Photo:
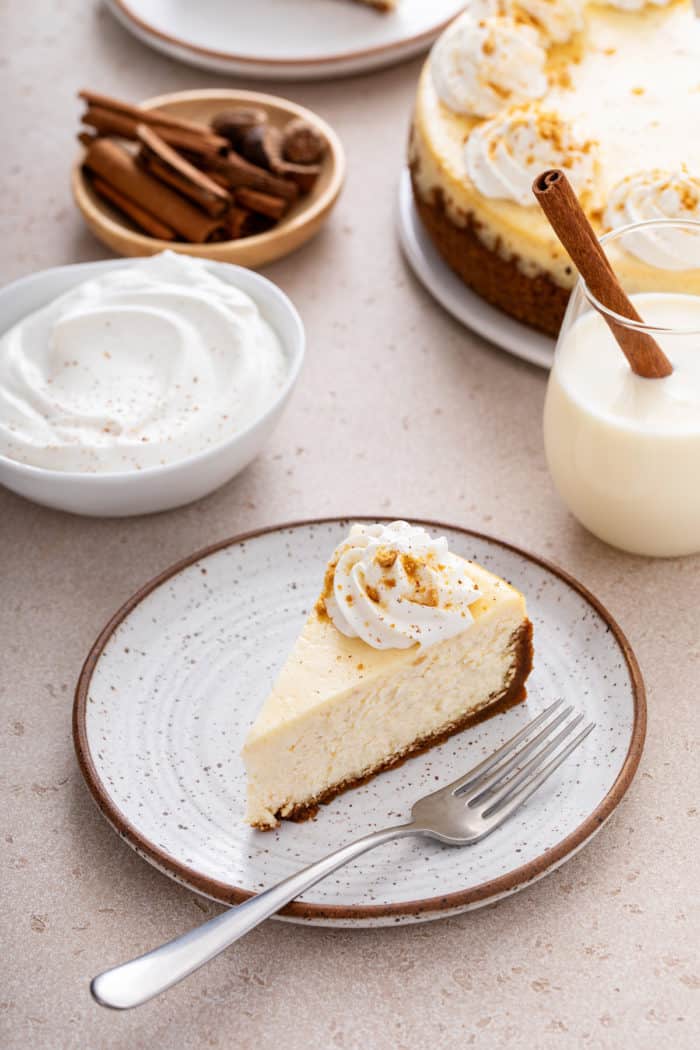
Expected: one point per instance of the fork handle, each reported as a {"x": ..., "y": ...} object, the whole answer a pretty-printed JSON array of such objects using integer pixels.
[{"x": 137, "y": 981}]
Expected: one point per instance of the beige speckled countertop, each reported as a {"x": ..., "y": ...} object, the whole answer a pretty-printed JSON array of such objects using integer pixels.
[{"x": 604, "y": 953}]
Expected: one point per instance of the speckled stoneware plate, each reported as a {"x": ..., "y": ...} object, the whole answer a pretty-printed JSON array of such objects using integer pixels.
[
  {"x": 177, "y": 676},
  {"x": 454, "y": 295},
  {"x": 285, "y": 39}
]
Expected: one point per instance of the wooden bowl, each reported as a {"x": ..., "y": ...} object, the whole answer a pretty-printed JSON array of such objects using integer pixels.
[{"x": 302, "y": 221}]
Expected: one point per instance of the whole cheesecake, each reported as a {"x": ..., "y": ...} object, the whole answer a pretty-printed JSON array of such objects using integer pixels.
[
  {"x": 407, "y": 644},
  {"x": 609, "y": 92}
]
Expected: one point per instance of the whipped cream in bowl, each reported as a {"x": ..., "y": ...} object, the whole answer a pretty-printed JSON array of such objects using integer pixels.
[{"x": 136, "y": 385}]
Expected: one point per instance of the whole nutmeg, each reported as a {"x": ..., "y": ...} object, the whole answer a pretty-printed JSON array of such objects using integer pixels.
[
  {"x": 261, "y": 145},
  {"x": 233, "y": 124},
  {"x": 302, "y": 143}
]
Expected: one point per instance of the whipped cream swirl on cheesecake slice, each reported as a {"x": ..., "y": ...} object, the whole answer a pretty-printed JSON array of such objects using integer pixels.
[
  {"x": 658, "y": 194},
  {"x": 503, "y": 155},
  {"x": 395, "y": 586},
  {"x": 480, "y": 66}
]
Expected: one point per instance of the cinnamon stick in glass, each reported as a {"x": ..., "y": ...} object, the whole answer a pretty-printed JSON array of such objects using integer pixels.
[
  {"x": 556, "y": 197},
  {"x": 118, "y": 168}
]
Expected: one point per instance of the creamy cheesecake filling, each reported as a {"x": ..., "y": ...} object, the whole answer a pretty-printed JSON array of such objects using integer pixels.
[
  {"x": 630, "y": 82},
  {"x": 360, "y": 732}
]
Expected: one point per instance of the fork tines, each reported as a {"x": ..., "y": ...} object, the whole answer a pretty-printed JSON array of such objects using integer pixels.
[{"x": 504, "y": 780}]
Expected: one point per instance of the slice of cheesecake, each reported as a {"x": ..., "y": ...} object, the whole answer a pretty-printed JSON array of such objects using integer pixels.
[{"x": 407, "y": 644}]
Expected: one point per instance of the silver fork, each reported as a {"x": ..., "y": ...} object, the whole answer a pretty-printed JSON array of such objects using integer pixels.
[{"x": 459, "y": 815}]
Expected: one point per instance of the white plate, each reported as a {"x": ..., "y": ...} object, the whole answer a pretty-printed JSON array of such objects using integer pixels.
[
  {"x": 459, "y": 300},
  {"x": 175, "y": 679},
  {"x": 285, "y": 39}
]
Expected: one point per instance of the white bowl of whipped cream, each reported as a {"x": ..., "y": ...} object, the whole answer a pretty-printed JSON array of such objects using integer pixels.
[{"x": 137, "y": 385}]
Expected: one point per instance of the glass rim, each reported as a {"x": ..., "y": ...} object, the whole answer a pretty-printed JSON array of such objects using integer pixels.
[{"x": 620, "y": 319}]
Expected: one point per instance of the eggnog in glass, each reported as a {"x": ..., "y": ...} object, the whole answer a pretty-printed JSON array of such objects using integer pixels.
[{"x": 624, "y": 451}]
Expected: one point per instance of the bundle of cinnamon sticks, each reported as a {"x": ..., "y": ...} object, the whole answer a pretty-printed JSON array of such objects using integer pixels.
[{"x": 179, "y": 180}]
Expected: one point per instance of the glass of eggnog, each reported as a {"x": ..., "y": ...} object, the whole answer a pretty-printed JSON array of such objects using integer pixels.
[{"x": 624, "y": 451}]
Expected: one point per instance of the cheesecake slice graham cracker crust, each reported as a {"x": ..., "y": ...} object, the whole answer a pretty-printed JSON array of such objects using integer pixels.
[{"x": 514, "y": 693}]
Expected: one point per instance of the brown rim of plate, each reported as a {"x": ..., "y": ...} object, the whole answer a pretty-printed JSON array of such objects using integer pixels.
[
  {"x": 494, "y": 888},
  {"x": 312, "y": 209},
  {"x": 229, "y": 56}
]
